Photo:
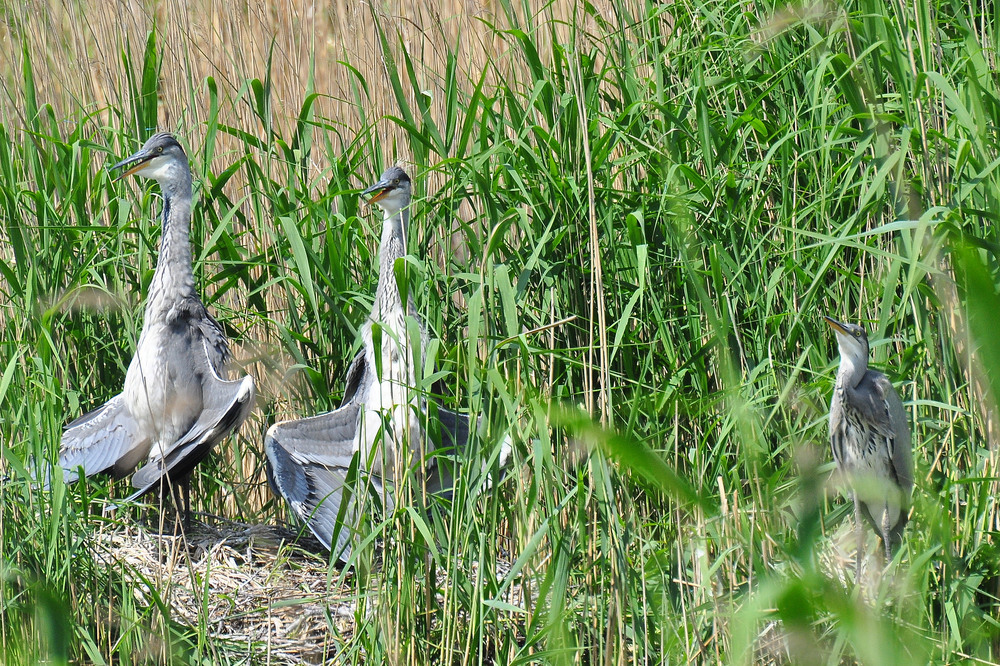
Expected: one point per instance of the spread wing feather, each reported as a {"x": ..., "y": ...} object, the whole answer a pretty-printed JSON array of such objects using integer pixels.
[
  {"x": 104, "y": 440},
  {"x": 226, "y": 404},
  {"x": 454, "y": 439},
  {"x": 310, "y": 463},
  {"x": 313, "y": 464}
]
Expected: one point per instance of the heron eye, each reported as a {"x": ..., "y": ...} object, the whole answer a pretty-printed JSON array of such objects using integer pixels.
[
  {"x": 159, "y": 149},
  {"x": 395, "y": 181}
]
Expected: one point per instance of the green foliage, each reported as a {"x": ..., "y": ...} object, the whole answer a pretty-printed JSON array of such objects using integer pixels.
[{"x": 666, "y": 198}]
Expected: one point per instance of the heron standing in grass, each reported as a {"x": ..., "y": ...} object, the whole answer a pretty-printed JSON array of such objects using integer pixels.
[
  {"x": 177, "y": 403},
  {"x": 870, "y": 438},
  {"x": 382, "y": 417}
]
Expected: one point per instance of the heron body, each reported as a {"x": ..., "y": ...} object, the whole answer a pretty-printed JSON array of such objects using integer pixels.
[
  {"x": 378, "y": 431},
  {"x": 177, "y": 402},
  {"x": 391, "y": 406},
  {"x": 870, "y": 439}
]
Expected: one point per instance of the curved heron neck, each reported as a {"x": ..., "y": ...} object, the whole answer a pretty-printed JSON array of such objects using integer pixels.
[
  {"x": 392, "y": 247},
  {"x": 851, "y": 371},
  {"x": 174, "y": 278}
]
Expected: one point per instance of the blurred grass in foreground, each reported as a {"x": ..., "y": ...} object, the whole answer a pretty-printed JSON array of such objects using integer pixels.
[{"x": 640, "y": 209}]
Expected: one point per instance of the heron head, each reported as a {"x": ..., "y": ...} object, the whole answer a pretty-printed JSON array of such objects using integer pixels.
[
  {"x": 853, "y": 341},
  {"x": 160, "y": 158},
  {"x": 392, "y": 191}
]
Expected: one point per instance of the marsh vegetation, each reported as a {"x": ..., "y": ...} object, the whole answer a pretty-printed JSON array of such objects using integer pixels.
[{"x": 630, "y": 218}]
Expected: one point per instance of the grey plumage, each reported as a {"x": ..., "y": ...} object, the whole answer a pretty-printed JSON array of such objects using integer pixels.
[
  {"x": 311, "y": 462},
  {"x": 870, "y": 439},
  {"x": 177, "y": 402}
]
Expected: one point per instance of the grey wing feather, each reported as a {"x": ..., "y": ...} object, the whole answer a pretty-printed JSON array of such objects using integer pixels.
[
  {"x": 104, "y": 440},
  {"x": 216, "y": 345},
  {"x": 226, "y": 405},
  {"x": 454, "y": 442},
  {"x": 454, "y": 439},
  {"x": 358, "y": 380},
  {"x": 310, "y": 462},
  {"x": 902, "y": 447},
  {"x": 454, "y": 429}
]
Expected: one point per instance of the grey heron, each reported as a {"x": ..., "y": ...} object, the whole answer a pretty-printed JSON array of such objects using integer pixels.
[
  {"x": 870, "y": 438},
  {"x": 379, "y": 429},
  {"x": 177, "y": 402}
]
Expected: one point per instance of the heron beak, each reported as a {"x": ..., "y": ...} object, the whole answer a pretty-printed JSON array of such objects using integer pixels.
[
  {"x": 134, "y": 163},
  {"x": 380, "y": 190},
  {"x": 836, "y": 325}
]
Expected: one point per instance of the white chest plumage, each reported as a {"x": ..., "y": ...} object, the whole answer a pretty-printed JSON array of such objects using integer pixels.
[
  {"x": 392, "y": 403},
  {"x": 163, "y": 399}
]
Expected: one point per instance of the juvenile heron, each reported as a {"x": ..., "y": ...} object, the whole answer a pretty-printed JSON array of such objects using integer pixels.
[
  {"x": 382, "y": 417},
  {"x": 870, "y": 438},
  {"x": 177, "y": 403}
]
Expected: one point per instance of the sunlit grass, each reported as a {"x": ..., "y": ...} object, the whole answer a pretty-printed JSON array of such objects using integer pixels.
[{"x": 639, "y": 211}]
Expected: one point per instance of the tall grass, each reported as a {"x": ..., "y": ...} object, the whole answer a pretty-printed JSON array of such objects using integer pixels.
[{"x": 629, "y": 221}]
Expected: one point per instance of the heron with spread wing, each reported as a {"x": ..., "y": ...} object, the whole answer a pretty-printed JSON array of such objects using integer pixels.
[
  {"x": 383, "y": 423},
  {"x": 177, "y": 403}
]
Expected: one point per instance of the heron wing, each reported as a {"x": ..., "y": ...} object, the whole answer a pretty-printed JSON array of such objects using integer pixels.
[
  {"x": 104, "y": 440},
  {"x": 878, "y": 404},
  {"x": 312, "y": 464},
  {"x": 451, "y": 442},
  {"x": 210, "y": 331},
  {"x": 358, "y": 379},
  {"x": 898, "y": 427},
  {"x": 225, "y": 405}
]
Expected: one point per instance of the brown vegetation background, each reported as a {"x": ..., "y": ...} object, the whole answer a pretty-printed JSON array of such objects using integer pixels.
[
  {"x": 75, "y": 50},
  {"x": 86, "y": 56}
]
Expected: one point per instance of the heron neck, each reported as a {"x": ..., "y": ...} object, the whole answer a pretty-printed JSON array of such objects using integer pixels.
[
  {"x": 851, "y": 372},
  {"x": 174, "y": 278},
  {"x": 393, "y": 247}
]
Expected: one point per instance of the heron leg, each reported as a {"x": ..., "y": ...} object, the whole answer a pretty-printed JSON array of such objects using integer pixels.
[
  {"x": 180, "y": 495},
  {"x": 187, "y": 501},
  {"x": 859, "y": 535},
  {"x": 887, "y": 535},
  {"x": 176, "y": 498}
]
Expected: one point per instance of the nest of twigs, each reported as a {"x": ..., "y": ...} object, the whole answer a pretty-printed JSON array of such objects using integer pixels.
[{"x": 260, "y": 587}]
